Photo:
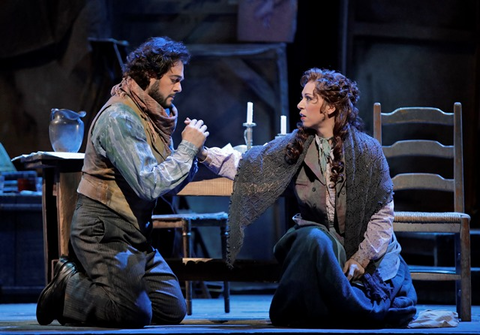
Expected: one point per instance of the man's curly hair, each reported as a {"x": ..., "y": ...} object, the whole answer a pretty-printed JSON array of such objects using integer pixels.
[
  {"x": 154, "y": 58},
  {"x": 340, "y": 92}
]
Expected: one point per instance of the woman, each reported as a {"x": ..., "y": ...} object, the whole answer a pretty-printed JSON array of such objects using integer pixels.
[{"x": 341, "y": 263}]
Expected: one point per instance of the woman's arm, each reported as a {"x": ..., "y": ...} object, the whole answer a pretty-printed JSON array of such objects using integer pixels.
[
  {"x": 375, "y": 243},
  {"x": 221, "y": 161},
  {"x": 377, "y": 237}
]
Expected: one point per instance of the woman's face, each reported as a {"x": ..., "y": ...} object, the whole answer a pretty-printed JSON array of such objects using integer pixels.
[{"x": 315, "y": 113}]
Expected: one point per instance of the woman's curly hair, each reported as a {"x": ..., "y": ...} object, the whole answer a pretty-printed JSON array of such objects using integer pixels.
[
  {"x": 340, "y": 92},
  {"x": 154, "y": 58}
]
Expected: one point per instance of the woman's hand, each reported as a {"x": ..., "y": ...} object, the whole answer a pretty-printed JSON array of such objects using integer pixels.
[
  {"x": 353, "y": 270},
  {"x": 202, "y": 154}
]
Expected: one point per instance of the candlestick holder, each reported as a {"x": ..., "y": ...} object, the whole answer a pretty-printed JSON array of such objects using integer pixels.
[{"x": 248, "y": 134}]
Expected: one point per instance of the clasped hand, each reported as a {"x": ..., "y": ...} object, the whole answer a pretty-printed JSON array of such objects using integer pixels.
[{"x": 195, "y": 132}]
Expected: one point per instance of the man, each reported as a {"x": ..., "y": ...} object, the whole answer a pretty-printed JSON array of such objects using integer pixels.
[{"x": 113, "y": 276}]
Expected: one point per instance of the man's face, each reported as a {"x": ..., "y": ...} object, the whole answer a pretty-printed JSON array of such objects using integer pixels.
[{"x": 163, "y": 90}]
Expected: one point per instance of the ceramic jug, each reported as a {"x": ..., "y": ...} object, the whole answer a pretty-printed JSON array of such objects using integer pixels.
[{"x": 66, "y": 130}]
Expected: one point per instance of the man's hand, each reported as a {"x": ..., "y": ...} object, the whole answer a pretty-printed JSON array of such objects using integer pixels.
[
  {"x": 353, "y": 270},
  {"x": 195, "y": 132}
]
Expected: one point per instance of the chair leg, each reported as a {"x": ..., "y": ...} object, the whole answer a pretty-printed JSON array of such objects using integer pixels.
[
  {"x": 187, "y": 251},
  {"x": 226, "y": 296},
  {"x": 226, "y": 284},
  {"x": 188, "y": 296},
  {"x": 463, "y": 264}
]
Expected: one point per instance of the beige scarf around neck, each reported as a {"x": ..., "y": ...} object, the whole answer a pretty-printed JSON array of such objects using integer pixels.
[{"x": 162, "y": 123}]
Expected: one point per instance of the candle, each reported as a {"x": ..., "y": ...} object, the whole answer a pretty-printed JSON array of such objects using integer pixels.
[
  {"x": 249, "y": 113},
  {"x": 283, "y": 124}
]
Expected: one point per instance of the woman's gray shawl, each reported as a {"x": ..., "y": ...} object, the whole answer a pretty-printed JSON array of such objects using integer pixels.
[{"x": 263, "y": 175}]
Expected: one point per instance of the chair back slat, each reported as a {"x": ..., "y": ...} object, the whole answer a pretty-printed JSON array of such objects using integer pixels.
[
  {"x": 425, "y": 148},
  {"x": 220, "y": 186},
  {"x": 422, "y": 181},
  {"x": 425, "y": 115}
]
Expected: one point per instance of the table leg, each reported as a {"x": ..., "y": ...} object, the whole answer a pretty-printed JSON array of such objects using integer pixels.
[{"x": 49, "y": 214}]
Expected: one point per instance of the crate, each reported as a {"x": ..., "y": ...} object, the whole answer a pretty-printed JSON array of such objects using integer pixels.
[{"x": 21, "y": 248}]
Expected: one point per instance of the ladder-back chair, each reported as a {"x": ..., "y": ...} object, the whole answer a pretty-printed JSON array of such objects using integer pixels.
[{"x": 416, "y": 180}]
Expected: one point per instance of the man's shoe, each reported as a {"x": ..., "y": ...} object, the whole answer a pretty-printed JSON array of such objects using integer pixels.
[{"x": 51, "y": 301}]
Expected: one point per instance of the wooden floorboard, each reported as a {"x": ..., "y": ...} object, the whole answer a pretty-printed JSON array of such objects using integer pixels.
[{"x": 249, "y": 315}]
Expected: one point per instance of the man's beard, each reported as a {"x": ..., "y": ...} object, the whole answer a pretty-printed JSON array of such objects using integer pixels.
[{"x": 153, "y": 92}]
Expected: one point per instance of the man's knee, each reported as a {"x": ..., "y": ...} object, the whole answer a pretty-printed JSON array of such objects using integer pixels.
[
  {"x": 172, "y": 315},
  {"x": 135, "y": 318}
]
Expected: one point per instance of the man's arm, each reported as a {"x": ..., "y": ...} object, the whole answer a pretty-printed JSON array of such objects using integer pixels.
[{"x": 120, "y": 137}]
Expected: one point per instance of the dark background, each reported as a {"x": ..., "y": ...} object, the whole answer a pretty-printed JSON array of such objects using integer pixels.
[
  {"x": 60, "y": 54},
  {"x": 68, "y": 54}
]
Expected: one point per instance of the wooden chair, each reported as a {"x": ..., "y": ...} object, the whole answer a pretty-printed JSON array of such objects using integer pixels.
[
  {"x": 187, "y": 221},
  {"x": 423, "y": 221}
]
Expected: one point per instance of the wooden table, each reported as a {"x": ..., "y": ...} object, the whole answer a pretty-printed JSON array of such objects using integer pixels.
[{"x": 61, "y": 175}]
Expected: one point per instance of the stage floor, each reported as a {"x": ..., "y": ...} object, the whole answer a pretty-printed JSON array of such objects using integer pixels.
[{"x": 248, "y": 315}]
